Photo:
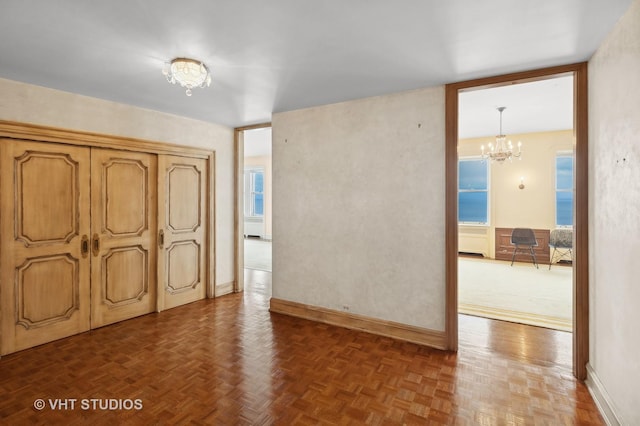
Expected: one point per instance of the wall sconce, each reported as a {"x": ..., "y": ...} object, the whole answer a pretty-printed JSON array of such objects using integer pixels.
[{"x": 521, "y": 186}]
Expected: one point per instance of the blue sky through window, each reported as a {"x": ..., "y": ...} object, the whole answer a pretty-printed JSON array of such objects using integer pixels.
[
  {"x": 473, "y": 174},
  {"x": 258, "y": 196},
  {"x": 564, "y": 190},
  {"x": 258, "y": 182}
]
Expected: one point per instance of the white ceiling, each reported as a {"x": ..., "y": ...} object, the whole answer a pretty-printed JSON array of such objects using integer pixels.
[
  {"x": 544, "y": 105},
  {"x": 257, "y": 142},
  {"x": 278, "y": 55}
]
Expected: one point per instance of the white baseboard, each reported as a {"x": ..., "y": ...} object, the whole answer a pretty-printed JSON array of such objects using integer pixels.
[
  {"x": 222, "y": 289},
  {"x": 601, "y": 398}
]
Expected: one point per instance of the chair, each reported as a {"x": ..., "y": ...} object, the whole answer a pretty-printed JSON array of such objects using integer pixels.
[
  {"x": 562, "y": 242},
  {"x": 524, "y": 238}
]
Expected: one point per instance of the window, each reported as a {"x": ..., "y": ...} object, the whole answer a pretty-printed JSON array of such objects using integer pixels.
[
  {"x": 564, "y": 190},
  {"x": 473, "y": 191},
  {"x": 254, "y": 192}
]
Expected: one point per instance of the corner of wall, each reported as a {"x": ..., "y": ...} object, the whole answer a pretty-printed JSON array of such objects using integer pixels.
[
  {"x": 224, "y": 289},
  {"x": 601, "y": 398}
]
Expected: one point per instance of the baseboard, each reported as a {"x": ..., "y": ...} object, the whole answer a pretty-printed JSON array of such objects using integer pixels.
[
  {"x": 601, "y": 398},
  {"x": 555, "y": 323},
  {"x": 409, "y": 333},
  {"x": 222, "y": 289}
]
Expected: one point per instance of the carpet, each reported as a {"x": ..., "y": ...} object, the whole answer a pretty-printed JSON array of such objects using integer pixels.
[
  {"x": 519, "y": 293},
  {"x": 257, "y": 254}
]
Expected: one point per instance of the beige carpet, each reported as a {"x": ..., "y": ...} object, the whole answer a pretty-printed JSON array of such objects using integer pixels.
[{"x": 519, "y": 293}]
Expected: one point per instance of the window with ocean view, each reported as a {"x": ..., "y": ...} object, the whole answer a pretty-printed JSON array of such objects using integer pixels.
[
  {"x": 564, "y": 190},
  {"x": 473, "y": 191}
]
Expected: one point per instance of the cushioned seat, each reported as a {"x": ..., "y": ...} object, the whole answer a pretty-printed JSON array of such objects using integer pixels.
[{"x": 562, "y": 242}]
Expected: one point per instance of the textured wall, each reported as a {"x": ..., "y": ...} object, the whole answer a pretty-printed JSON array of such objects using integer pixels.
[
  {"x": 359, "y": 207},
  {"x": 38, "y": 105},
  {"x": 614, "y": 225}
]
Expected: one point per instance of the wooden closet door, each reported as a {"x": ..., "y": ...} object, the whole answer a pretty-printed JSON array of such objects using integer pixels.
[
  {"x": 182, "y": 221},
  {"x": 123, "y": 241},
  {"x": 44, "y": 228}
]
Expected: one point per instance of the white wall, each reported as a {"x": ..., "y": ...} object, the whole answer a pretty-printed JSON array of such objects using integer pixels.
[
  {"x": 614, "y": 223},
  {"x": 359, "y": 207},
  {"x": 38, "y": 105}
]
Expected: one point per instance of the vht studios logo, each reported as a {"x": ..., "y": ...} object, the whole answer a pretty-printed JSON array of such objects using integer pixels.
[{"x": 109, "y": 404}]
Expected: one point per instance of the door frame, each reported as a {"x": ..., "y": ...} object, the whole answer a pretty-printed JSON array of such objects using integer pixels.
[
  {"x": 581, "y": 202},
  {"x": 238, "y": 202}
]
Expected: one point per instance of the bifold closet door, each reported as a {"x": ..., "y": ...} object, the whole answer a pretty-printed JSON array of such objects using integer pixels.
[
  {"x": 182, "y": 219},
  {"x": 123, "y": 240},
  {"x": 44, "y": 227}
]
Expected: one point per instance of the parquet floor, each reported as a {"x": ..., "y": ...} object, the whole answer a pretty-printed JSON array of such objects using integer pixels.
[{"x": 230, "y": 362}]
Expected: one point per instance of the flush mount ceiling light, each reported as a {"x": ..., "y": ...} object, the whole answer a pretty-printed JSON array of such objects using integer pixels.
[
  {"x": 188, "y": 73},
  {"x": 502, "y": 150}
]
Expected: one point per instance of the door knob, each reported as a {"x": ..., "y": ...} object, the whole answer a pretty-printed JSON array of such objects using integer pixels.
[
  {"x": 84, "y": 246},
  {"x": 96, "y": 244}
]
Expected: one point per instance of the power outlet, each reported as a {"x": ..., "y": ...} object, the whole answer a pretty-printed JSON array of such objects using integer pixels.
[{"x": 345, "y": 307}]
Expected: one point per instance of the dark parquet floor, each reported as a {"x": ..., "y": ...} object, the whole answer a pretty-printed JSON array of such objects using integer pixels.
[{"x": 229, "y": 361}]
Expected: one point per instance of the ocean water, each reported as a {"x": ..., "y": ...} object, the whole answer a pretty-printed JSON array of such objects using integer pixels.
[
  {"x": 472, "y": 177},
  {"x": 472, "y": 207},
  {"x": 564, "y": 208}
]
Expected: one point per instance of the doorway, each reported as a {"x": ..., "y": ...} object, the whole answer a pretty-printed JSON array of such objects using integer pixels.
[
  {"x": 580, "y": 264},
  {"x": 253, "y": 195},
  {"x": 528, "y": 186}
]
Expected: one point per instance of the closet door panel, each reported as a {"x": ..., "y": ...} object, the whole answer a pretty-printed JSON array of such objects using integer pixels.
[
  {"x": 44, "y": 228},
  {"x": 182, "y": 266},
  {"x": 123, "y": 211}
]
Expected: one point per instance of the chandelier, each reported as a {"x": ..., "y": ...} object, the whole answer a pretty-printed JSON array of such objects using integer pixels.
[
  {"x": 188, "y": 73},
  {"x": 502, "y": 150}
]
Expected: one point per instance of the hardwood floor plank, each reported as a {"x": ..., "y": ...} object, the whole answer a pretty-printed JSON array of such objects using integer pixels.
[{"x": 229, "y": 361}]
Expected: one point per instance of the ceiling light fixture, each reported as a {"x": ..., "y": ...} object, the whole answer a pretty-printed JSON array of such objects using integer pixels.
[
  {"x": 502, "y": 150},
  {"x": 188, "y": 73}
]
